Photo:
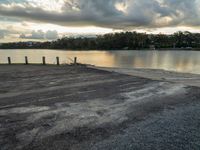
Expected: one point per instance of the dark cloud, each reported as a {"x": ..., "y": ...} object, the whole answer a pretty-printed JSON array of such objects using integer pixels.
[
  {"x": 104, "y": 13},
  {"x": 50, "y": 35}
]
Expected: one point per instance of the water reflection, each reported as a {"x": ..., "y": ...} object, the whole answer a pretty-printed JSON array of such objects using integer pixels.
[{"x": 182, "y": 61}]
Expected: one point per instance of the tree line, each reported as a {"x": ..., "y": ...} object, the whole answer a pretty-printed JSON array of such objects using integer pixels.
[{"x": 116, "y": 41}]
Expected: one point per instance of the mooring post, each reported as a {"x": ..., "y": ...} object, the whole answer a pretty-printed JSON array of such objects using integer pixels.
[
  {"x": 75, "y": 60},
  {"x": 58, "y": 61},
  {"x": 9, "y": 60},
  {"x": 26, "y": 60},
  {"x": 43, "y": 60}
]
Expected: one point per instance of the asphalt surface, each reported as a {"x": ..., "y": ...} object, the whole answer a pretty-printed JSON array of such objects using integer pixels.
[{"x": 75, "y": 107}]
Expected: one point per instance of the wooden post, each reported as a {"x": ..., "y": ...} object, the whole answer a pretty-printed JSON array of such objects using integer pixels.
[
  {"x": 9, "y": 60},
  {"x": 75, "y": 60},
  {"x": 58, "y": 61},
  {"x": 43, "y": 60},
  {"x": 26, "y": 60}
]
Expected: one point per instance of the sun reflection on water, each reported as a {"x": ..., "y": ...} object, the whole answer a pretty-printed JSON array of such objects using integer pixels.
[{"x": 181, "y": 61}]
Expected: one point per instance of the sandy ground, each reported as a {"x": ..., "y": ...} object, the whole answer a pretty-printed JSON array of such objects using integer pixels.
[
  {"x": 162, "y": 75},
  {"x": 80, "y": 108}
]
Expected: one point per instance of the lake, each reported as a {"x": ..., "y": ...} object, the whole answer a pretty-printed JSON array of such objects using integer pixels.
[{"x": 180, "y": 61}]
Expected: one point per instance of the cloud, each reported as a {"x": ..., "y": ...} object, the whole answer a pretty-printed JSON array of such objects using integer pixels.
[
  {"x": 50, "y": 35},
  {"x": 3, "y": 33},
  {"x": 116, "y": 14},
  {"x": 37, "y": 35}
]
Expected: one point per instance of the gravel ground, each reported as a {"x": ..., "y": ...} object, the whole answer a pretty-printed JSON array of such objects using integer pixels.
[{"x": 75, "y": 107}]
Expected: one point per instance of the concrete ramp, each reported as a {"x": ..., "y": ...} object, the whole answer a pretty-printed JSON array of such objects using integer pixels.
[{"x": 75, "y": 107}]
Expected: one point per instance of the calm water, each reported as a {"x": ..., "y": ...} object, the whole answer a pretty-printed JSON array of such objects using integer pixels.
[{"x": 180, "y": 61}]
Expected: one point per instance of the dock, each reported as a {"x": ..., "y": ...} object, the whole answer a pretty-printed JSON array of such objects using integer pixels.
[{"x": 82, "y": 108}]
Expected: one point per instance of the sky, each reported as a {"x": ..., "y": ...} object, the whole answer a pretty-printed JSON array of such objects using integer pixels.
[{"x": 42, "y": 20}]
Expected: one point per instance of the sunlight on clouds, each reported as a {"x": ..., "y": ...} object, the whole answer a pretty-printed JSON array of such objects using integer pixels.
[
  {"x": 121, "y": 6},
  {"x": 171, "y": 30},
  {"x": 53, "y": 5},
  {"x": 163, "y": 21},
  {"x": 92, "y": 17},
  {"x": 11, "y": 5},
  {"x": 62, "y": 29}
]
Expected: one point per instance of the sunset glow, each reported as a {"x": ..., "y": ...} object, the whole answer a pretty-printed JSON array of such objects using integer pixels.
[{"x": 21, "y": 18}]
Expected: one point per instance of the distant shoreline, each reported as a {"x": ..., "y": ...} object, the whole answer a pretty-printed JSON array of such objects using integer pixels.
[{"x": 116, "y": 41}]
